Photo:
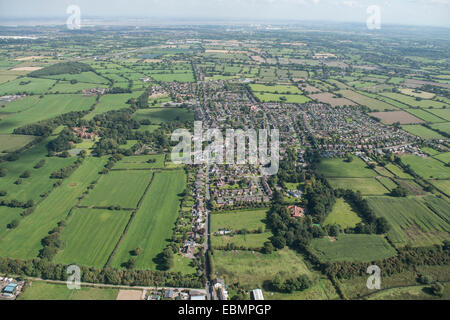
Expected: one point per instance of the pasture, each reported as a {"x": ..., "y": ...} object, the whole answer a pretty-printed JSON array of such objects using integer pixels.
[
  {"x": 160, "y": 115},
  {"x": 111, "y": 102},
  {"x": 141, "y": 162},
  {"x": 250, "y": 240},
  {"x": 352, "y": 247},
  {"x": 339, "y": 168},
  {"x": 372, "y": 104},
  {"x": 367, "y": 186},
  {"x": 28, "y": 85},
  {"x": 90, "y": 236},
  {"x": 238, "y": 220},
  {"x": 427, "y": 168},
  {"x": 24, "y": 242},
  {"x": 118, "y": 188},
  {"x": 422, "y": 132},
  {"x": 41, "y": 290},
  {"x": 410, "y": 220},
  {"x": 13, "y": 142},
  {"x": 48, "y": 107},
  {"x": 252, "y": 269},
  {"x": 343, "y": 215},
  {"x": 152, "y": 226}
]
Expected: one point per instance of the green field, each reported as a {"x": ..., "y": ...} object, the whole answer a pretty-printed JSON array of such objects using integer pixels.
[
  {"x": 367, "y": 186},
  {"x": 252, "y": 240},
  {"x": 413, "y": 102},
  {"x": 39, "y": 182},
  {"x": 343, "y": 215},
  {"x": 13, "y": 142},
  {"x": 339, "y": 168},
  {"x": 24, "y": 242},
  {"x": 110, "y": 102},
  {"x": 411, "y": 221},
  {"x": 422, "y": 132},
  {"x": 67, "y": 87},
  {"x": 41, "y": 290},
  {"x": 372, "y": 104},
  {"x": 442, "y": 113},
  {"x": 152, "y": 226},
  {"x": 19, "y": 105},
  {"x": 28, "y": 85},
  {"x": 87, "y": 77},
  {"x": 443, "y": 185},
  {"x": 287, "y": 98},
  {"x": 90, "y": 236},
  {"x": 427, "y": 168},
  {"x": 425, "y": 115},
  {"x": 118, "y": 188},
  {"x": 277, "y": 89},
  {"x": 398, "y": 172},
  {"x": 238, "y": 220},
  {"x": 140, "y": 162},
  {"x": 352, "y": 247},
  {"x": 48, "y": 107},
  {"x": 444, "y": 127},
  {"x": 251, "y": 269},
  {"x": 160, "y": 115}
]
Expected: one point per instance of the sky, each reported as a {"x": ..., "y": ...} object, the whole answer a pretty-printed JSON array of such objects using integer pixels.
[{"x": 405, "y": 12}]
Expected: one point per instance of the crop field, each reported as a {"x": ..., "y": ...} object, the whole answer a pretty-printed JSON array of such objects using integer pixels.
[
  {"x": 427, "y": 168},
  {"x": 152, "y": 226},
  {"x": 422, "y": 132},
  {"x": 339, "y": 168},
  {"x": 112, "y": 102},
  {"x": 367, "y": 186},
  {"x": 372, "y": 104},
  {"x": 118, "y": 188},
  {"x": 48, "y": 107},
  {"x": 387, "y": 183},
  {"x": 425, "y": 115},
  {"x": 251, "y": 269},
  {"x": 444, "y": 127},
  {"x": 443, "y": 185},
  {"x": 90, "y": 236},
  {"x": 411, "y": 101},
  {"x": 396, "y": 116},
  {"x": 141, "y": 162},
  {"x": 41, "y": 290},
  {"x": 331, "y": 99},
  {"x": 419, "y": 94},
  {"x": 398, "y": 172},
  {"x": 39, "y": 181},
  {"x": 13, "y": 142},
  {"x": 287, "y": 98},
  {"x": 352, "y": 247},
  {"x": 28, "y": 85},
  {"x": 343, "y": 215},
  {"x": 411, "y": 221},
  {"x": 442, "y": 113},
  {"x": 238, "y": 220},
  {"x": 24, "y": 242},
  {"x": 160, "y": 115},
  {"x": 278, "y": 89},
  {"x": 251, "y": 240}
]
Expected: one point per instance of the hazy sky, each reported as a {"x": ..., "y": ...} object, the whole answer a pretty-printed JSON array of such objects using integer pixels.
[{"x": 412, "y": 12}]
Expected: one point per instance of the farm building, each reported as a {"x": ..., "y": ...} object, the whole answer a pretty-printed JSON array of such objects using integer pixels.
[{"x": 296, "y": 211}]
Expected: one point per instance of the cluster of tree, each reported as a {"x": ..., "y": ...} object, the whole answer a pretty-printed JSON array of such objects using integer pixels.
[
  {"x": 62, "y": 68},
  {"x": 16, "y": 203},
  {"x": 320, "y": 198},
  {"x": 43, "y": 268},
  {"x": 291, "y": 232},
  {"x": 399, "y": 192},
  {"x": 63, "y": 141},
  {"x": 116, "y": 90},
  {"x": 40, "y": 164},
  {"x": 52, "y": 243},
  {"x": 299, "y": 283},
  {"x": 372, "y": 223},
  {"x": 66, "y": 171},
  {"x": 407, "y": 259}
]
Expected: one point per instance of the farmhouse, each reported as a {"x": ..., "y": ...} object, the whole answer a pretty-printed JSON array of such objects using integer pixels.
[{"x": 296, "y": 212}]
